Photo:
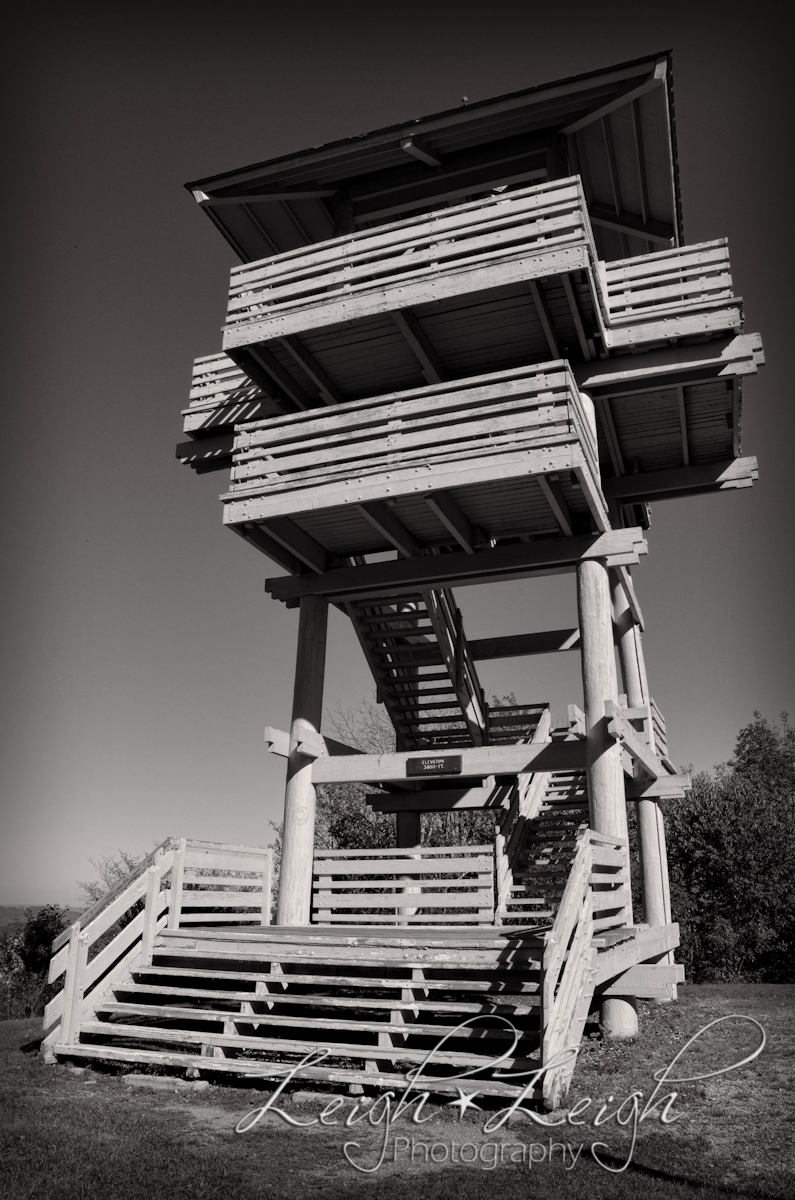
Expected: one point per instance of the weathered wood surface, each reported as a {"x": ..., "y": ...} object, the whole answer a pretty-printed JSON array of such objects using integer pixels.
[
  {"x": 421, "y": 885},
  {"x": 527, "y": 234},
  {"x": 478, "y": 761},
  {"x": 619, "y": 547}
]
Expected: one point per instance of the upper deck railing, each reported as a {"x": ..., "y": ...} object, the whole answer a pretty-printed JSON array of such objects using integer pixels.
[{"x": 538, "y": 231}]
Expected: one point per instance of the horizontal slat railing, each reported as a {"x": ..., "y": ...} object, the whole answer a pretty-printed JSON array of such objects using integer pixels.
[
  {"x": 646, "y": 292},
  {"x": 348, "y": 276},
  {"x": 510, "y": 423},
  {"x": 395, "y": 886},
  {"x": 119, "y": 930}
]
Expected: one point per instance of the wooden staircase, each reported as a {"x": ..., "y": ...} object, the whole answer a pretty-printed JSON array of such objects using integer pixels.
[
  {"x": 179, "y": 968},
  {"x": 418, "y": 654}
]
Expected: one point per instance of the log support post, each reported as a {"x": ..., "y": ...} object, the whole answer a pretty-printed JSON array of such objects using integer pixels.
[
  {"x": 298, "y": 836},
  {"x": 602, "y": 754},
  {"x": 651, "y": 831}
]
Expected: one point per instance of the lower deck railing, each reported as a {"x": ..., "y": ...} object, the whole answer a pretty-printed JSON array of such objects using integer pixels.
[
  {"x": 182, "y": 882},
  {"x": 444, "y": 885}
]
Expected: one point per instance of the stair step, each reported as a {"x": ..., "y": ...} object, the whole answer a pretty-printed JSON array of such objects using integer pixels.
[
  {"x": 361, "y": 1002},
  {"x": 152, "y": 1033},
  {"x": 246, "y": 1067},
  {"x": 168, "y": 1012}
]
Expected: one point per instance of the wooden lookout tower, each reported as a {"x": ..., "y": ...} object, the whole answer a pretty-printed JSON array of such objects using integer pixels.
[{"x": 470, "y": 348}]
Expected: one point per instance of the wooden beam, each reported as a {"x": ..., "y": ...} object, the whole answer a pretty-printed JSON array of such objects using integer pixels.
[
  {"x": 270, "y": 369},
  {"x": 710, "y": 477},
  {"x": 647, "y": 980},
  {"x": 207, "y": 449},
  {"x": 667, "y": 787},
  {"x": 574, "y": 308},
  {"x": 257, "y": 537},
  {"x": 476, "y": 762},
  {"x": 680, "y": 397},
  {"x": 640, "y": 159},
  {"x": 207, "y": 200},
  {"x": 453, "y": 518},
  {"x": 630, "y": 93},
  {"x": 519, "y": 644},
  {"x": 421, "y": 348},
  {"x": 612, "y": 166},
  {"x": 382, "y": 518},
  {"x": 438, "y": 800},
  {"x": 618, "y": 547},
  {"x": 327, "y": 388},
  {"x": 611, "y": 437},
  {"x": 418, "y": 149},
  {"x": 740, "y": 354},
  {"x": 659, "y": 232},
  {"x": 632, "y": 599},
  {"x": 557, "y": 502},
  {"x": 545, "y": 317},
  {"x": 293, "y": 538},
  {"x": 620, "y": 730}
]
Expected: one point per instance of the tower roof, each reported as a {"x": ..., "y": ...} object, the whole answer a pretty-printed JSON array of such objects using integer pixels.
[{"x": 614, "y": 127}]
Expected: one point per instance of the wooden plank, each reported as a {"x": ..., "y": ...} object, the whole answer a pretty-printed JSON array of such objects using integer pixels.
[
  {"x": 382, "y": 518},
  {"x": 669, "y": 787},
  {"x": 645, "y": 944},
  {"x": 622, "y": 731},
  {"x": 717, "y": 476},
  {"x": 299, "y": 543},
  {"x": 398, "y": 900},
  {"x": 438, "y": 800},
  {"x": 545, "y": 317},
  {"x": 449, "y": 512},
  {"x": 502, "y": 271},
  {"x": 294, "y": 1045},
  {"x": 627, "y": 96},
  {"x": 420, "y": 345},
  {"x": 557, "y": 502},
  {"x": 343, "y": 1075},
  {"x": 397, "y": 865},
  {"x": 485, "y": 566},
  {"x": 559, "y": 453},
  {"x": 646, "y": 980},
  {"x": 329, "y": 391},
  {"x": 478, "y": 761}
]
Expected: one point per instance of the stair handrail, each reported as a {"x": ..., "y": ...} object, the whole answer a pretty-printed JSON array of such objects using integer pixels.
[
  {"x": 528, "y": 793},
  {"x": 568, "y": 972},
  {"x": 134, "y": 941},
  {"x": 93, "y": 911}
]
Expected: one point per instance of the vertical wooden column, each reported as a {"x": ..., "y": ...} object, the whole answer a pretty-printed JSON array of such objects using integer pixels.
[
  {"x": 630, "y": 654},
  {"x": 298, "y": 836},
  {"x": 602, "y": 753}
]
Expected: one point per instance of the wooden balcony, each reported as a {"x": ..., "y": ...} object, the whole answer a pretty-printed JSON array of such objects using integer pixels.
[
  {"x": 494, "y": 283},
  {"x": 506, "y": 455}
]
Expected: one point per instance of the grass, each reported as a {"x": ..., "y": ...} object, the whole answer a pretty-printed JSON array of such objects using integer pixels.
[{"x": 70, "y": 1135}]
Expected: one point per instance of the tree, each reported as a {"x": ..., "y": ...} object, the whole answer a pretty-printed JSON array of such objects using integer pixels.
[
  {"x": 25, "y": 959},
  {"x": 730, "y": 861}
]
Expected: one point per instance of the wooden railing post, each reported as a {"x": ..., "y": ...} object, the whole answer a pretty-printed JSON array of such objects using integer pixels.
[
  {"x": 153, "y": 880},
  {"x": 175, "y": 893},
  {"x": 70, "y": 984}
]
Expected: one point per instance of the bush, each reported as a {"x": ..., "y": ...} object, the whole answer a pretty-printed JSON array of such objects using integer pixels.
[
  {"x": 25, "y": 959},
  {"x": 729, "y": 854}
]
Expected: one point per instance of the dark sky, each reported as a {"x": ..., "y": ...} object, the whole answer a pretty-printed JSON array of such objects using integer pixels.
[{"x": 141, "y": 657}]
